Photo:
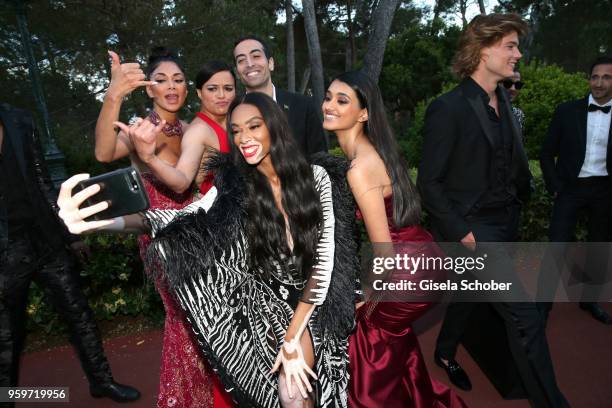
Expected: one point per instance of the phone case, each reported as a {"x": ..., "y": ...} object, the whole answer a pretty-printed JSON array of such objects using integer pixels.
[{"x": 123, "y": 189}]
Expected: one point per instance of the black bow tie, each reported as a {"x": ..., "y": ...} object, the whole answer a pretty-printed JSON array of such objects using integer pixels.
[{"x": 604, "y": 109}]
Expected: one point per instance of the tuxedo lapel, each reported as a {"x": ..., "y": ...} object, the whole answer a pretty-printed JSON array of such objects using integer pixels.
[
  {"x": 518, "y": 151},
  {"x": 282, "y": 100},
  {"x": 477, "y": 104},
  {"x": 581, "y": 117}
]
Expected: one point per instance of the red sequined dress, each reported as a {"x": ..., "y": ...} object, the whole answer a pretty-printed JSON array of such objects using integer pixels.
[
  {"x": 184, "y": 380},
  {"x": 221, "y": 397},
  {"x": 387, "y": 368}
]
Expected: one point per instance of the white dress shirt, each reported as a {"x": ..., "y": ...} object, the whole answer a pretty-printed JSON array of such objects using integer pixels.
[{"x": 598, "y": 130}]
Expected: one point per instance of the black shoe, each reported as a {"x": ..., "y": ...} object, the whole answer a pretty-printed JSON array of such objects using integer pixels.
[
  {"x": 597, "y": 312},
  {"x": 115, "y": 391},
  {"x": 455, "y": 373}
]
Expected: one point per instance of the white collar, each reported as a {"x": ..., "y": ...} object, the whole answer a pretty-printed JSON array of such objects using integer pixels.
[
  {"x": 273, "y": 92},
  {"x": 592, "y": 101}
]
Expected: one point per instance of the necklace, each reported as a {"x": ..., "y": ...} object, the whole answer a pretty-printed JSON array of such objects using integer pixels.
[{"x": 171, "y": 129}]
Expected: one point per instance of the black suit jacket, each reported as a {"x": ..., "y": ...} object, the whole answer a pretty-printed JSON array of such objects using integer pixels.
[
  {"x": 19, "y": 128},
  {"x": 456, "y": 164},
  {"x": 304, "y": 121},
  {"x": 564, "y": 148}
]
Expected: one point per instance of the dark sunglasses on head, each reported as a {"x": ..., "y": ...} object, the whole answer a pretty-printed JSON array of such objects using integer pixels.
[{"x": 508, "y": 84}]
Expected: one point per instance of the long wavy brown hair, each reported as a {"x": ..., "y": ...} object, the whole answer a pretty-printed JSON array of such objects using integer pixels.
[{"x": 484, "y": 31}]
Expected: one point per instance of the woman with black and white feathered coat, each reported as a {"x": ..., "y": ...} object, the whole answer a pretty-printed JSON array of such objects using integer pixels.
[{"x": 264, "y": 265}]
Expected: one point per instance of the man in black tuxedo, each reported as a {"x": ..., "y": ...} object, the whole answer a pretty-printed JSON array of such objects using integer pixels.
[
  {"x": 576, "y": 161},
  {"x": 473, "y": 178},
  {"x": 33, "y": 246},
  {"x": 254, "y": 65}
]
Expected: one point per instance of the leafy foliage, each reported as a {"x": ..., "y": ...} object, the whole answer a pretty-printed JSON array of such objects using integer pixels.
[
  {"x": 113, "y": 281},
  {"x": 546, "y": 86}
]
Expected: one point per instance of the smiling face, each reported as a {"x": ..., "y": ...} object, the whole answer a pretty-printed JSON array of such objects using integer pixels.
[
  {"x": 171, "y": 89},
  {"x": 498, "y": 60},
  {"x": 252, "y": 65},
  {"x": 341, "y": 108},
  {"x": 250, "y": 133},
  {"x": 217, "y": 93},
  {"x": 600, "y": 82}
]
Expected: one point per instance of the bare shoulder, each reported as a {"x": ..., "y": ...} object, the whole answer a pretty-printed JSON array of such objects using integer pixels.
[
  {"x": 367, "y": 172},
  {"x": 199, "y": 132}
]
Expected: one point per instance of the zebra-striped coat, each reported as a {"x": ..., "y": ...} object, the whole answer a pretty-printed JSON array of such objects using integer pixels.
[{"x": 240, "y": 318}]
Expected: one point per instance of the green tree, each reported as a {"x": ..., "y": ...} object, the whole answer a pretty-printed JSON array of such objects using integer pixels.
[{"x": 546, "y": 86}]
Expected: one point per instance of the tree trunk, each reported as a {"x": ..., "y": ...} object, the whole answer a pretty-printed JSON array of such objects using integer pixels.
[
  {"x": 436, "y": 16},
  {"x": 349, "y": 60},
  {"x": 290, "y": 47},
  {"x": 382, "y": 18},
  {"x": 305, "y": 80},
  {"x": 481, "y": 6},
  {"x": 314, "y": 50},
  {"x": 534, "y": 25},
  {"x": 463, "y": 10}
]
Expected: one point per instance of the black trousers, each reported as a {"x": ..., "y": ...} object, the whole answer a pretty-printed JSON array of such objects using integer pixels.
[
  {"x": 591, "y": 196},
  {"x": 53, "y": 269},
  {"x": 525, "y": 325}
]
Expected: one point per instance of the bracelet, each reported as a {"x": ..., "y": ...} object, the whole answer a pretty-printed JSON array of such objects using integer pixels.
[{"x": 117, "y": 225}]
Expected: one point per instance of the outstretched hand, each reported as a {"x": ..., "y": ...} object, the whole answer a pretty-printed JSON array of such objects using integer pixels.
[
  {"x": 69, "y": 212},
  {"x": 291, "y": 357},
  {"x": 125, "y": 77},
  {"x": 143, "y": 135}
]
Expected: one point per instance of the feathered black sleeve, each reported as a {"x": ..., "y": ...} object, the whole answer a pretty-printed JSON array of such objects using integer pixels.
[
  {"x": 193, "y": 240},
  {"x": 337, "y": 313}
]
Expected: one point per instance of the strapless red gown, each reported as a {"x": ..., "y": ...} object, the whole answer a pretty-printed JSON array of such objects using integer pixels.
[{"x": 386, "y": 365}]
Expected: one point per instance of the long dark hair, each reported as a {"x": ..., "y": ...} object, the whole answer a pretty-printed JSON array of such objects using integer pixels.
[
  {"x": 163, "y": 54},
  {"x": 406, "y": 201},
  {"x": 210, "y": 68},
  {"x": 265, "y": 224}
]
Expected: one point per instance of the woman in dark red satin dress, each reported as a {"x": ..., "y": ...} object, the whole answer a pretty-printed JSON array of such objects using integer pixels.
[{"x": 386, "y": 365}]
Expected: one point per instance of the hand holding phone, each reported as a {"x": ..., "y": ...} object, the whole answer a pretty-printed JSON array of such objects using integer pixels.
[
  {"x": 101, "y": 199},
  {"x": 69, "y": 204},
  {"x": 122, "y": 189}
]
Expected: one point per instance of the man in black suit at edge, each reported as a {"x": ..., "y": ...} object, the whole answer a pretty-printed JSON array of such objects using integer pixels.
[
  {"x": 576, "y": 161},
  {"x": 33, "y": 246},
  {"x": 472, "y": 178},
  {"x": 254, "y": 65}
]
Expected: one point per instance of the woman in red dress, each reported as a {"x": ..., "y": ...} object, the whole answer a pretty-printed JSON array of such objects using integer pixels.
[
  {"x": 216, "y": 87},
  {"x": 386, "y": 365},
  {"x": 185, "y": 380}
]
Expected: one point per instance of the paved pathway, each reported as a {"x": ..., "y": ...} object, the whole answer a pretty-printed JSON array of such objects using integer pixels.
[{"x": 581, "y": 349}]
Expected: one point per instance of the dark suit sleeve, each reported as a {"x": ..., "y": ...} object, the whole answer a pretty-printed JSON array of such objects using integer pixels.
[
  {"x": 44, "y": 180},
  {"x": 550, "y": 150},
  {"x": 439, "y": 135},
  {"x": 315, "y": 136}
]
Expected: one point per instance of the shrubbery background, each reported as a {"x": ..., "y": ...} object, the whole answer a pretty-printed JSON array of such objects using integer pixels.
[{"x": 113, "y": 280}]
